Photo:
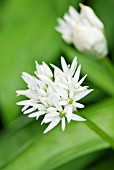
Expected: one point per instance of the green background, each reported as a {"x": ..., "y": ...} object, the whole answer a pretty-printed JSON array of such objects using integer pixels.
[{"x": 27, "y": 33}]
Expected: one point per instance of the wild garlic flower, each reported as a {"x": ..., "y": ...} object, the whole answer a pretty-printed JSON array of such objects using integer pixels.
[
  {"x": 55, "y": 95},
  {"x": 84, "y": 30}
]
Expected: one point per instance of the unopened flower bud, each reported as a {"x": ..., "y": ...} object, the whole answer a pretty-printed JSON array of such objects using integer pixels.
[{"x": 84, "y": 30}]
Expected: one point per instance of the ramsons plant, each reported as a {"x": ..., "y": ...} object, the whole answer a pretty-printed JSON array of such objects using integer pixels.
[{"x": 55, "y": 95}]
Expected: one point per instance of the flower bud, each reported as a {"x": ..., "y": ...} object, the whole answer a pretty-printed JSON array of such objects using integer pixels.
[{"x": 84, "y": 30}]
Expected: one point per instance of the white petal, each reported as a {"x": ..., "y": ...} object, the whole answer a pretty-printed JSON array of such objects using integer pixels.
[
  {"x": 30, "y": 80},
  {"x": 77, "y": 118},
  {"x": 57, "y": 104},
  {"x": 81, "y": 81},
  {"x": 82, "y": 94},
  {"x": 42, "y": 92},
  {"x": 69, "y": 113},
  {"x": 79, "y": 89},
  {"x": 52, "y": 125},
  {"x": 27, "y": 103},
  {"x": 62, "y": 92},
  {"x": 47, "y": 120},
  {"x": 63, "y": 86},
  {"x": 29, "y": 110},
  {"x": 63, "y": 123},
  {"x": 78, "y": 105},
  {"x": 73, "y": 66},
  {"x": 63, "y": 102},
  {"x": 51, "y": 109},
  {"x": 58, "y": 69},
  {"x": 71, "y": 90},
  {"x": 64, "y": 64},
  {"x": 77, "y": 74},
  {"x": 24, "y": 108},
  {"x": 88, "y": 14},
  {"x": 60, "y": 78},
  {"x": 52, "y": 114},
  {"x": 45, "y": 79},
  {"x": 62, "y": 24},
  {"x": 47, "y": 70},
  {"x": 69, "y": 23},
  {"x": 28, "y": 93},
  {"x": 39, "y": 68},
  {"x": 73, "y": 13},
  {"x": 37, "y": 114}
]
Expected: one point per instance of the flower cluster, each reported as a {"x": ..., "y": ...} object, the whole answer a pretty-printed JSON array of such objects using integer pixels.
[
  {"x": 55, "y": 95},
  {"x": 84, "y": 30}
]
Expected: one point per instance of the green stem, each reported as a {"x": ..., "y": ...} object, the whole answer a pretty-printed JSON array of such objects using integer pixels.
[{"x": 100, "y": 132}]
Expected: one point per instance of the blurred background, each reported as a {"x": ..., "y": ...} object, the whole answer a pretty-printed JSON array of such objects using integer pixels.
[{"x": 27, "y": 33}]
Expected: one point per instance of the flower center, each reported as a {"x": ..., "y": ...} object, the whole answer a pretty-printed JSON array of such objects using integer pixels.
[
  {"x": 51, "y": 78},
  {"x": 70, "y": 101},
  {"x": 61, "y": 114},
  {"x": 39, "y": 102}
]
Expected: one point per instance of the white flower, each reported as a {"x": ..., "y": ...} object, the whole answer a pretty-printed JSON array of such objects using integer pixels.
[
  {"x": 56, "y": 116},
  {"x": 54, "y": 96},
  {"x": 84, "y": 30}
]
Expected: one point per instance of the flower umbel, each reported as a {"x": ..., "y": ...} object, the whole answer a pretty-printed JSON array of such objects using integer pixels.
[
  {"x": 84, "y": 30},
  {"x": 55, "y": 95}
]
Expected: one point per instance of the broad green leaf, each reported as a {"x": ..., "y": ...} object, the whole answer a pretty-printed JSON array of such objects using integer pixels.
[
  {"x": 82, "y": 162},
  {"x": 96, "y": 72},
  {"x": 56, "y": 147},
  {"x": 105, "y": 162}
]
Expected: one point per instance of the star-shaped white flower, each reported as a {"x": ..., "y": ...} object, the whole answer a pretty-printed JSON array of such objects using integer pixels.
[
  {"x": 55, "y": 96},
  {"x": 68, "y": 86}
]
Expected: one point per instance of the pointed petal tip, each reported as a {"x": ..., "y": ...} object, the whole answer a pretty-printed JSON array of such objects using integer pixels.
[
  {"x": 36, "y": 62},
  {"x": 80, "y": 66},
  {"x": 86, "y": 75},
  {"x": 84, "y": 119},
  {"x": 24, "y": 73},
  {"x": 52, "y": 65},
  {"x": 75, "y": 57},
  {"x": 29, "y": 116},
  {"x": 56, "y": 28},
  {"x": 44, "y": 132},
  {"x": 17, "y": 92},
  {"x": 68, "y": 120},
  {"x": 71, "y": 7},
  {"x": 62, "y": 58},
  {"x": 42, "y": 123},
  {"x": 81, "y": 5},
  {"x": 91, "y": 90}
]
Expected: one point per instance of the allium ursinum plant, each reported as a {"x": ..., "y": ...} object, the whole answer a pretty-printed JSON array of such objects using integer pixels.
[
  {"x": 55, "y": 96},
  {"x": 84, "y": 30}
]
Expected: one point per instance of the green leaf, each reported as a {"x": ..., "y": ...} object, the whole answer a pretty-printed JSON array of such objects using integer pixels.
[
  {"x": 82, "y": 162},
  {"x": 106, "y": 161},
  {"x": 21, "y": 42},
  {"x": 56, "y": 147}
]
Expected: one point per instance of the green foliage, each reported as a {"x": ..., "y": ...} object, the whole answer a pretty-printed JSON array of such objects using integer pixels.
[{"x": 27, "y": 34}]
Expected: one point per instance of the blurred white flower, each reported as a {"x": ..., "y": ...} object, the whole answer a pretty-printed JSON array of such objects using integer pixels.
[
  {"x": 54, "y": 96},
  {"x": 84, "y": 30}
]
